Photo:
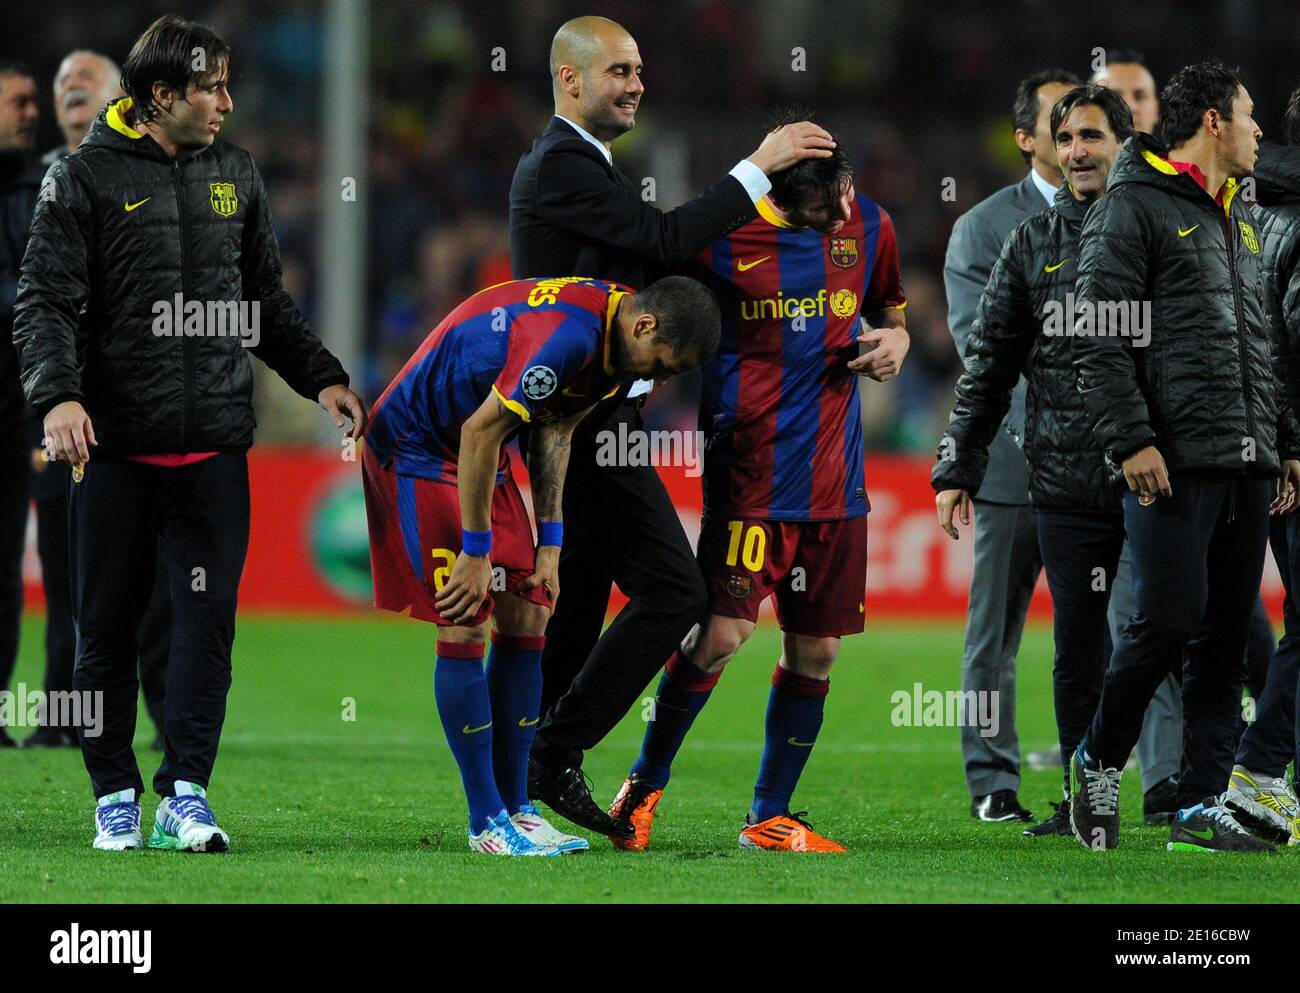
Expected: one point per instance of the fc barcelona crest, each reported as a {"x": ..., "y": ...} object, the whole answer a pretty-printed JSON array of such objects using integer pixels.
[
  {"x": 739, "y": 586},
  {"x": 844, "y": 252},
  {"x": 1248, "y": 237},
  {"x": 224, "y": 201}
]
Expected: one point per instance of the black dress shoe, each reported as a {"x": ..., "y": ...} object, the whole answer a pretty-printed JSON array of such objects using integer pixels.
[
  {"x": 49, "y": 737},
  {"x": 1160, "y": 803},
  {"x": 1056, "y": 825},
  {"x": 566, "y": 791},
  {"x": 1000, "y": 805}
]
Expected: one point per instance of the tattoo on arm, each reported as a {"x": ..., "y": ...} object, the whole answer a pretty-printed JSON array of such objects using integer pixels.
[{"x": 547, "y": 463}]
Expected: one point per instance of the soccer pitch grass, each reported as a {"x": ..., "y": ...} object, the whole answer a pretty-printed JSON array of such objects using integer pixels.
[{"x": 324, "y": 810}]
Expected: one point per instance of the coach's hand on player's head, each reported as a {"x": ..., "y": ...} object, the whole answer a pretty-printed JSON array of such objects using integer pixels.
[
  {"x": 1288, "y": 488},
  {"x": 338, "y": 400},
  {"x": 947, "y": 501},
  {"x": 466, "y": 588},
  {"x": 69, "y": 434},
  {"x": 885, "y": 360},
  {"x": 1146, "y": 475},
  {"x": 789, "y": 144},
  {"x": 546, "y": 572}
]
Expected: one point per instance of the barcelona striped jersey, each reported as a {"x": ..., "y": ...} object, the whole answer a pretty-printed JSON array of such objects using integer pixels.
[
  {"x": 542, "y": 346},
  {"x": 779, "y": 408}
]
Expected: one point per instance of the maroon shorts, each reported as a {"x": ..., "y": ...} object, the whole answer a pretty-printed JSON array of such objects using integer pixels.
[
  {"x": 816, "y": 571},
  {"x": 415, "y": 538}
]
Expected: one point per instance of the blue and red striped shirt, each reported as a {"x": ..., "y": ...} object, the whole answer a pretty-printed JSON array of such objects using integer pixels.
[
  {"x": 542, "y": 346},
  {"x": 780, "y": 407}
]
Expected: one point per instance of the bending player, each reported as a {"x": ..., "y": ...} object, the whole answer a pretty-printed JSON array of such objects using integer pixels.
[
  {"x": 443, "y": 508},
  {"x": 784, "y": 491}
]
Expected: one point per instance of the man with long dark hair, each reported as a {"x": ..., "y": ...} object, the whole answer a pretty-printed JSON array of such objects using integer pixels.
[{"x": 152, "y": 269}]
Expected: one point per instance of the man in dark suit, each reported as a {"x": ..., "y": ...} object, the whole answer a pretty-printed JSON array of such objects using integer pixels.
[
  {"x": 572, "y": 212},
  {"x": 1006, "y": 542}
]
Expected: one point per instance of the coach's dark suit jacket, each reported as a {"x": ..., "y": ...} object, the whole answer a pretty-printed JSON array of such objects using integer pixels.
[{"x": 573, "y": 214}]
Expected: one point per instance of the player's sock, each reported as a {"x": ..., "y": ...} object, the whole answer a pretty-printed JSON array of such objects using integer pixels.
[
  {"x": 683, "y": 692},
  {"x": 514, "y": 680},
  {"x": 462, "y": 695},
  {"x": 794, "y": 716}
]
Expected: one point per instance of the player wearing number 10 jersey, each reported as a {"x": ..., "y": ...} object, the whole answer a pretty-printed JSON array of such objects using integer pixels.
[{"x": 784, "y": 489}]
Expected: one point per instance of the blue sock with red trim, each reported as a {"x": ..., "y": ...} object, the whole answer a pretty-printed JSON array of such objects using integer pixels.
[
  {"x": 462, "y": 695},
  {"x": 514, "y": 681},
  {"x": 683, "y": 692},
  {"x": 795, "y": 707}
]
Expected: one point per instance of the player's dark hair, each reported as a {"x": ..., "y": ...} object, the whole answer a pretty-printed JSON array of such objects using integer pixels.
[
  {"x": 1024, "y": 113},
  {"x": 1291, "y": 119},
  {"x": 13, "y": 67},
  {"x": 1125, "y": 56},
  {"x": 1118, "y": 116},
  {"x": 174, "y": 51},
  {"x": 1190, "y": 92},
  {"x": 688, "y": 316},
  {"x": 809, "y": 182}
]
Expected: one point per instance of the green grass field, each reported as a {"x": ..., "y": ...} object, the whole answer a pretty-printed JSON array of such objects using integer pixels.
[{"x": 323, "y": 810}]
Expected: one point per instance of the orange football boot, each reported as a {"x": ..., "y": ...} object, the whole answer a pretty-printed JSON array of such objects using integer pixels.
[
  {"x": 635, "y": 803},
  {"x": 786, "y": 833}
]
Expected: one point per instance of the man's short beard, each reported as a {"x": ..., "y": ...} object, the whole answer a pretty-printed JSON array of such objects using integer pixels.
[{"x": 605, "y": 123}]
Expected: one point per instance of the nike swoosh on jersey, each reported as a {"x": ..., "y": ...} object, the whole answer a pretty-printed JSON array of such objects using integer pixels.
[
  {"x": 1053, "y": 268},
  {"x": 469, "y": 730},
  {"x": 526, "y": 723},
  {"x": 1184, "y": 234},
  {"x": 139, "y": 203},
  {"x": 743, "y": 266}
]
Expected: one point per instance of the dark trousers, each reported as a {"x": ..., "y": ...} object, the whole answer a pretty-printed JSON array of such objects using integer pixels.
[
  {"x": 1197, "y": 561},
  {"x": 1080, "y": 555},
  {"x": 154, "y": 634},
  {"x": 14, "y": 470},
  {"x": 619, "y": 527},
  {"x": 153, "y": 640},
  {"x": 1268, "y": 745},
  {"x": 123, "y": 516},
  {"x": 52, "y": 546}
]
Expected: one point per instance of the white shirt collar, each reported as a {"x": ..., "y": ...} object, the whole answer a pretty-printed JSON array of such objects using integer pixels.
[
  {"x": 1044, "y": 187},
  {"x": 603, "y": 150}
]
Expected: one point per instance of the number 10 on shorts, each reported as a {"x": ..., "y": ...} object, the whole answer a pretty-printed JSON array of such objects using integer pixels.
[{"x": 754, "y": 545}]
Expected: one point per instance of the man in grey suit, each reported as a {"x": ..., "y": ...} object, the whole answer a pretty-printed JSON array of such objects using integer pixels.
[{"x": 1007, "y": 562}]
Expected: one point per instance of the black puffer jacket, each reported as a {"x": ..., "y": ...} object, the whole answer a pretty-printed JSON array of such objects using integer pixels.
[
  {"x": 127, "y": 227},
  {"x": 1016, "y": 330},
  {"x": 1277, "y": 205},
  {"x": 1204, "y": 390}
]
